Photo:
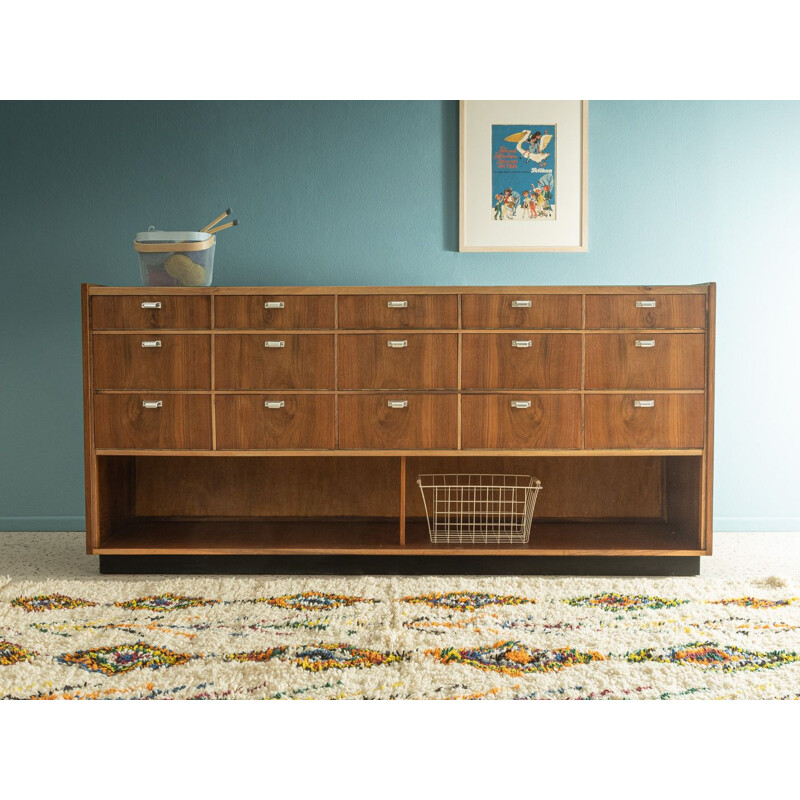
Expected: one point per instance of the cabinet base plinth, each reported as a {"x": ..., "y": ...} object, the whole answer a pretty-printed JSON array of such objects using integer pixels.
[{"x": 675, "y": 566}]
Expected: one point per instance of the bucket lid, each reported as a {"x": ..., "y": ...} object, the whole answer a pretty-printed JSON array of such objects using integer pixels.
[{"x": 154, "y": 237}]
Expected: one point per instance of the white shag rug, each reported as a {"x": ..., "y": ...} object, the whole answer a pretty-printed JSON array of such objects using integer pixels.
[{"x": 401, "y": 638}]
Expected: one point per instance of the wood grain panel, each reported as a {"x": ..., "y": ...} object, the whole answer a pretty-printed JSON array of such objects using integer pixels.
[
  {"x": 674, "y": 421},
  {"x": 496, "y": 311},
  {"x": 126, "y": 312},
  {"x": 428, "y": 361},
  {"x": 675, "y": 361},
  {"x": 240, "y": 312},
  {"x": 379, "y": 537},
  {"x": 366, "y": 312},
  {"x": 181, "y": 362},
  {"x": 253, "y": 536},
  {"x": 266, "y": 486},
  {"x": 490, "y": 421},
  {"x": 587, "y": 488},
  {"x": 245, "y": 423},
  {"x": 218, "y": 291},
  {"x": 671, "y": 311},
  {"x": 429, "y": 421},
  {"x": 91, "y": 493},
  {"x": 567, "y": 538},
  {"x": 490, "y": 361},
  {"x": 242, "y": 361},
  {"x": 182, "y": 423},
  {"x": 114, "y": 497},
  {"x": 707, "y": 495},
  {"x": 683, "y": 475}
]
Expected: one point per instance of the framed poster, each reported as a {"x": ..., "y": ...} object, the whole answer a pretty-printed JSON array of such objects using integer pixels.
[{"x": 523, "y": 175}]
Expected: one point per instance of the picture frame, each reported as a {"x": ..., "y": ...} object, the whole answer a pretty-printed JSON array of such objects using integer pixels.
[{"x": 523, "y": 176}]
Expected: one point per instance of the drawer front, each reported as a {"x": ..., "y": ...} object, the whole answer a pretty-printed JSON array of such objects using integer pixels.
[
  {"x": 366, "y": 312},
  {"x": 366, "y": 421},
  {"x": 180, "y": 422},
  {"x": 507, "y": 361},
  {"x": 630, "y": 421},
  {"x": 646, "y": 311},
  {"x": 398, "y": 361},
  {"x": 521, "y": 311},
  {"x": 143, "y": 312},
  {"x": 292, "y": 361},
  {"x": 275, "y": 422},
  {"x": 645, "y": 360},
  {"x": 520, "y": 421},
  {"x": 151, "y": 361},
  {"x": 277, "y": 312}
]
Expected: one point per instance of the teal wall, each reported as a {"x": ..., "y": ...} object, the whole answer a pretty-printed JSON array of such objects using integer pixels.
[{"x": 366, "y": 193}]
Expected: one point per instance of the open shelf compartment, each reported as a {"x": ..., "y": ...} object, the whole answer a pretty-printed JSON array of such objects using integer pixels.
[
  {"x": 609, "y": 505},
  {"x": 191, "y": 504},
  {"x": 589, "y": 506}
]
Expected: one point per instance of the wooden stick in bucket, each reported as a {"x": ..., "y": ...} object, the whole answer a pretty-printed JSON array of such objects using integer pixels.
[
  {"x": 222, "y": 227},
  {"x": 214, "y": 222}
]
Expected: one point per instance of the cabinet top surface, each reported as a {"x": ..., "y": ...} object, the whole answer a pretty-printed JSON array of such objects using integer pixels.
[{"x": 700, "y": 288}]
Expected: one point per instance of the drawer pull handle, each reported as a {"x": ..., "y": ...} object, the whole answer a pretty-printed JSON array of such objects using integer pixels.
[
  {"x": 521, "y": 342},
  {"x": 397, "y": 404},
  {"x": 397, "y": 304},
  {"x": 154, "y": 343},
  {"x": 520, "y": 404},
  {"x": 273, "y": 404},
  {"x": 274, "y": 304},
  {"x": 149, "y": 304},
  {"x": 397, "y": 343},
  {"x": 279, "y": 343},
  {"x": 151, "y": 404},
  {"x": 644, "y": 403},
  {"x": 645, "y": 342},
  {"x": 520, "y": 304},
  {"x": 645, "y": 304}
]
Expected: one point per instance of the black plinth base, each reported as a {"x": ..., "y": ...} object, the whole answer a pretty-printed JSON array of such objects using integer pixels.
[{"x": 677, "y": 566}]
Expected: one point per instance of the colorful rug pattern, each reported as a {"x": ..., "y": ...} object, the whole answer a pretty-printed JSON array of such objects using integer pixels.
[{"x": 397, "y": 638}]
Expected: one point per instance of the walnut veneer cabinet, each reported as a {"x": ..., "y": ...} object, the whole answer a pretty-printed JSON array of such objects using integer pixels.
[{"x": 288, "y": 421}]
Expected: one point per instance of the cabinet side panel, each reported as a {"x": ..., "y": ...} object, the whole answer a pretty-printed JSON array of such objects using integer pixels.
[
  {"x": 89, "y": 463},
  {"x": 707, "y": 524}
]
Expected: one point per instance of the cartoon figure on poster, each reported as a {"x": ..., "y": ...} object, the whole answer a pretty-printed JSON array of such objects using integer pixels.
[{"x": 523, "y": 172}]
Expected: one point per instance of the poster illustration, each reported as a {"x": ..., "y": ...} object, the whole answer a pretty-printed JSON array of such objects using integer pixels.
[{"x": 523, "y": 172}]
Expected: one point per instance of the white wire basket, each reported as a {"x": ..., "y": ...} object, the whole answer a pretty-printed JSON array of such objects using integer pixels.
[{"x": 479, "y": 509}]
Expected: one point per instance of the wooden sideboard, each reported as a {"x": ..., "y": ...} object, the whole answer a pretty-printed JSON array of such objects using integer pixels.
[{"x": 289, "y": 421}]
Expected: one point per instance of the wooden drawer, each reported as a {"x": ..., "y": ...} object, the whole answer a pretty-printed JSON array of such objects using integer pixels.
[
  {"x": 646, "y": 311},
  {"x": 181, "y": 422},
  {"x": 521, "y": 311},
  {"x": 501, "y": 361},
  {"x": 520, "y": 421},
  {"x": 366, "y": 311},
  {"x": 645, "y": 360},
  {"x": 143, "y": 312},
  {"x": 398, "y": 361},
  {"x": 428, "y": 421},
  {"x": 299, "y": 421},
  {"x": 152, "y": 361},
  {"x": 292, "y": 361},
  {"x": 673, "y": 421},
  {"x": 277, "y": 312}
]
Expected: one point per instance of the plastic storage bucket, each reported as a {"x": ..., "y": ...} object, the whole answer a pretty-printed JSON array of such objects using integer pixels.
[{"x": 175, "y": 258}]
